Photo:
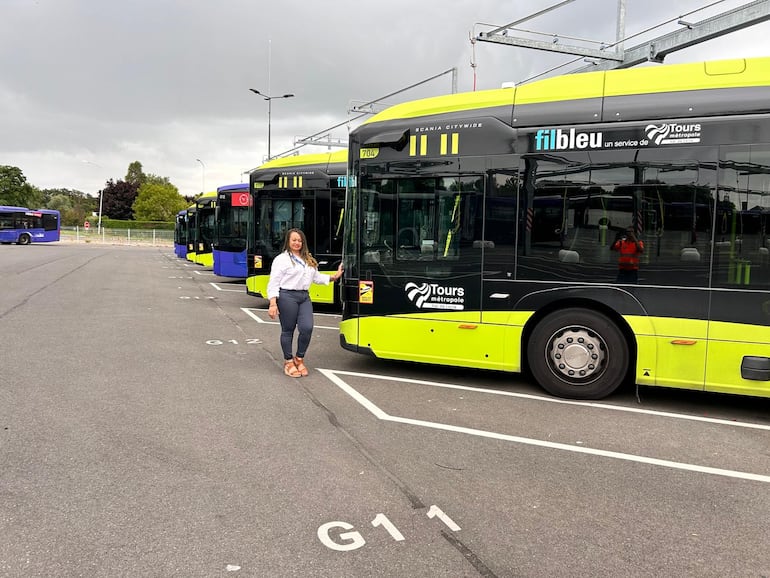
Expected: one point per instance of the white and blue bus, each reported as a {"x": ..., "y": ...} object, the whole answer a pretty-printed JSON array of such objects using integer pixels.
[{"x": 24, "y": 226}]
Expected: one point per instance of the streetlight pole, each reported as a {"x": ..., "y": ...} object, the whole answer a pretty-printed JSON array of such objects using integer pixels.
[
  {"x": 99, "y": 223},
  {"x": 269, "y": 100},
  {"x": 203, "y": 176}
]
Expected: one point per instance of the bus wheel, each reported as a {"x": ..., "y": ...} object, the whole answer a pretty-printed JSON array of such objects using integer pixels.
[
  {"x": 24, "y": 239},
  {"x": 578, "y": 353}
]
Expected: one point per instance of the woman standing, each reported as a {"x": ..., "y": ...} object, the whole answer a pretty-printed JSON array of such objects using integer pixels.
[{"x": 292, "y": 273}]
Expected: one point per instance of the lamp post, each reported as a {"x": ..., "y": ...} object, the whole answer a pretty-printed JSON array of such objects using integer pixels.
[
  {"x": 99, "y": 223},
  {"x": 203, "y": 176},
  {"x": 269, "y": 100}
]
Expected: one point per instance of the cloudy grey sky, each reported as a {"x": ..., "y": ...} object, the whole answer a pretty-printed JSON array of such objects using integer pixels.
[{"x": 88, "y": 86}]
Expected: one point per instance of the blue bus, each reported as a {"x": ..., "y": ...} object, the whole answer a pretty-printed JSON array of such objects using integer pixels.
[
  {"x": 231, "y": 217},
  {"x": 24, "y": 226},
  {"x": 180, "y": 234}
]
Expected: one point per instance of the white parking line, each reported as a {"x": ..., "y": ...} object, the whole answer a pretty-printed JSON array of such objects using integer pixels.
[
  {"x": 558, "y": 400},
  {"x": 218, "y": 288},
  {"x": 250, "y": 312},
  {"x": 333, "y": 376}
]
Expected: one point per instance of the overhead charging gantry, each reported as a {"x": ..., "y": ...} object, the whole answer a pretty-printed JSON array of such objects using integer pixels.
[{"x": 613, "y": 55}]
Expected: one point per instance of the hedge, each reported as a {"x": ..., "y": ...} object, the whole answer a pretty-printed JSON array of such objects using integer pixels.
[{"x": 123, "y": 224}]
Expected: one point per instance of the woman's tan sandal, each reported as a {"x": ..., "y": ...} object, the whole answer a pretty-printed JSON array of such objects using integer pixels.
[
  {"x": 300, "y": 366},
  {"x": 290, "y": 369}
]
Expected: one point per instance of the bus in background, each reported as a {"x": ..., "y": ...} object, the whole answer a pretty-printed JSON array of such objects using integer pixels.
[
  {"x": 24, "y": 226},
  {"x": 231, "y": 218},
  {"x": 483, "y": 230},
  {"x": 203, "y": 230},
  {"x": 180, "y": 234},
  {"x": 191, "y": 218},
  {"x": 305, "y": 192}
]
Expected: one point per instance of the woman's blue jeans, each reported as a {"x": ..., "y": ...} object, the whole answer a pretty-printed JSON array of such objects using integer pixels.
[{"x": 295, "y": 311}]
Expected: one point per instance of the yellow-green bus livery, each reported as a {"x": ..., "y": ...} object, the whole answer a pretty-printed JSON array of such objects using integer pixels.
[
  {"x": 305, "y": 192},
  {"x": 591, "y": 230},
  {"x": 203, "y": 232}
]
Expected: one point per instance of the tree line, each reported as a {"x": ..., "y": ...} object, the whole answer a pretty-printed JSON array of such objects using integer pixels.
[{"x": 137, "y": 197}]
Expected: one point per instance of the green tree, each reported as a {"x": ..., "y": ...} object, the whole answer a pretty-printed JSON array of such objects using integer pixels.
[
  {"x": 60, "y": 202},
  {"x": 16, "y": 191},
  {"x": 135, "y": 174},
  {"x": 75, "y": 207},
  {"x": 155, "y": 179},
  {"x": 158, "y": 201}
]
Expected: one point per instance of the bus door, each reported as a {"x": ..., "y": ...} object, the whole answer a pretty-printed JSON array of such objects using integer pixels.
[
  {"x": 192, "y": 233},
  {"x": 323, "y": 210},
  {"x": 676, "y": 184},
  {"x": 323, "y": 218},
  {"x": 275, "y": 215},
  {"x": 420, "y": 259},
  {"x": 739, "y": 329}
]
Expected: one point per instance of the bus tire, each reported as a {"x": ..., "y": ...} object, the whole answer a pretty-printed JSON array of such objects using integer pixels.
[
  {"x": 578, "y": 353},
  {"x": 24, "y": 239}
]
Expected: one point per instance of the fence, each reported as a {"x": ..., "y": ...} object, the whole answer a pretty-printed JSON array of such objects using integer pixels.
[{"x": 154, "y": 237}]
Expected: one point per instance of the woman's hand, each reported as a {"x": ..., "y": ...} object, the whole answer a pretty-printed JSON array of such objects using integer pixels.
[
  {"x": 338, "y": 274},
  {"x": 272, "y": 310}
]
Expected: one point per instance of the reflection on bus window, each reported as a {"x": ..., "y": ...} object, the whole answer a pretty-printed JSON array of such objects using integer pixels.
[
  {"x": 742, "y": 246},
  {"x": 573, "y": 213}
]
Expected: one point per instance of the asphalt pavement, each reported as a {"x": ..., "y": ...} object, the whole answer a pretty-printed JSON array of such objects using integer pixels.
[{"x": 147, "y": 429}]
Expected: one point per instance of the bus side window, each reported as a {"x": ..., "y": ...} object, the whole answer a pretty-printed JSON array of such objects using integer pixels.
[{"x": 742, "y": 239}]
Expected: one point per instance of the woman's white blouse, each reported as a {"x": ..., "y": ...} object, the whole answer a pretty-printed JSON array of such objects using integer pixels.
[{"x": 290, "y": 272}]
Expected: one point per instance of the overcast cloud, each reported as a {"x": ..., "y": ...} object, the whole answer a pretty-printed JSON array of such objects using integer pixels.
[{"x": 88, "y": 86}]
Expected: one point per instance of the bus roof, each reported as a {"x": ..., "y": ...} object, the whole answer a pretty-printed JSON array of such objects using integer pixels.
[
  {"x": 340, "y": 156},
  {"x": 737, "y": 85},
  {"x": 324, "y": 163},
  {"x": 234, "y": 187},
  {"x": 28, "y": 210}
]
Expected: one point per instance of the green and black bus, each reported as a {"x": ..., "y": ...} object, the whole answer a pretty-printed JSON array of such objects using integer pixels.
[
  {"x": 480, "y": 227},
  {"x": 305, "y": 192},
  {"x": 200, "y": 233},
  {"x": 191, "y": 218}
]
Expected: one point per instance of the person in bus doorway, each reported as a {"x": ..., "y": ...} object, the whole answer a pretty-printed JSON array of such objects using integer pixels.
[
  {"x": 629, "y": 248},
  {"x": 292, "y": 273}
]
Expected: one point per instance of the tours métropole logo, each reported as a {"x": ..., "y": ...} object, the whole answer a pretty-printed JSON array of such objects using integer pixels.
[
  {"x": 434, "y": 296},
  {"x": 673, "y": 133}
]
